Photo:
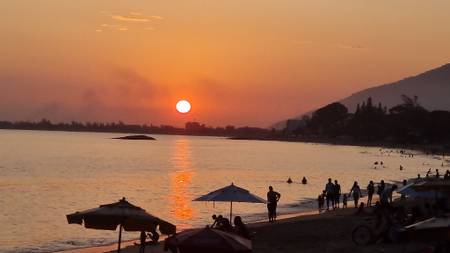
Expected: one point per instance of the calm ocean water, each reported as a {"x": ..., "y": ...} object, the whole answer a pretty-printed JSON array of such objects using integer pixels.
[{"x": 46, "y": 175}]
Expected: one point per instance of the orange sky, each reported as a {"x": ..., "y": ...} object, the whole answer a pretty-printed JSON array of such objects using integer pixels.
[{"x": 238, "y": 62}]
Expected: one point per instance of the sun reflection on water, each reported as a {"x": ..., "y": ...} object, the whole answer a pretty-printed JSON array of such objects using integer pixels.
[{"x": 180, "y": 196}]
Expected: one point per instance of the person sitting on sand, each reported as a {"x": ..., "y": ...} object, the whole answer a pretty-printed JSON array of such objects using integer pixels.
[
  {"x": 337, "y": 193},
  {"x": 329, "y": 188},
  {"x": 356, "y": 193},
  {"x": 240, "y": 228},
  {"x": 344, "y": 201},
  {"x": 224, "y": 224},
  {"x": 289, "y": 181},
  {"x": 370, "y": 192},
  {"x": 304, "y": 181},
  {"x": 272, "y": 199}
]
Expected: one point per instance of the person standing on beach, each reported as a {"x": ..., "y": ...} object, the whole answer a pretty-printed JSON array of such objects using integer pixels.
[
  {"x": 370, "y": 192},
  {"x": 329, "y": 188},
  {"x": 356, "y": 193},
  {"x": 272, "y": 199},
  {"x": 337, "y": 193},
  {"x": 380, "y": 188}
]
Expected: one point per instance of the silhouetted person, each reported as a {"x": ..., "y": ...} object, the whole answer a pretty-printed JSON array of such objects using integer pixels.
[
  {"x": 386, "y": 196},
  {"x": 240, "y": 228},
  {"x": 380, "y": 188},
  {"x": 356, "y": 193},
  {"x": 289, "y": 181},
  {"x": 418, "y": 176},
  {"x": 337, "y": 193},
  {"x": 304, "y": 181},
  {"x": 329, "y": 188},
  {"x": 428, "y": 173},
  {"x": 224, "y": 224},
  {"x": 142, "y": 238},
  {"x": 344, "y": 201},
  {"x": 437, "y": 173},
  {"x": 401, "y": 167},
  {"x": 447, "y": 175},
  {"x": 404, "y": 183},
  {"x": 370, "y": 192},
  {"x": 272, "y": 199},
  {"x": 320, "y": 202}
]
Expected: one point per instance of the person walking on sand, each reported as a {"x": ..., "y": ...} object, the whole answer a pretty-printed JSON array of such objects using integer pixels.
[
  {"x": 329, "y": 188},
  {"x": 272, "y": 199},
  {"x": 337, "y": 193},
  {"x": 370, "y": 192},
  {"x": 356, "y": 193}
]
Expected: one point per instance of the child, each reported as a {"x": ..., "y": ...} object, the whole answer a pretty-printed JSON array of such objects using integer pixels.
[
  {"x": 320, "y": 201},
  {"x": 344, "y": 201}
]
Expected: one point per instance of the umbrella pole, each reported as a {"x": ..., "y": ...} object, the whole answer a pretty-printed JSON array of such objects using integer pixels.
[
  {"x": 120, "y": 238},
  {"x": 231, "y": 211}
]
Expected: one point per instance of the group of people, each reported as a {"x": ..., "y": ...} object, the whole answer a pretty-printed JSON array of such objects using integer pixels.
[
  {"x": 224, "y": 224},
  {"x": 332, "y": 194},
  {"x": 446, "y": 175}
]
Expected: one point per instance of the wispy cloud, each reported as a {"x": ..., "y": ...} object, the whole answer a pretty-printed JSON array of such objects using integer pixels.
[
  {"x": 99, "y": 30},
  {"x": 130, "y": 18},
  {"x": 351, "y": 47},
  {"x": 157, "y": 17}
]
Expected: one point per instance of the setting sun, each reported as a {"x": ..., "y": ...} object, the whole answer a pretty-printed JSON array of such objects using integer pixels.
[{"x": 183, "y": 106}]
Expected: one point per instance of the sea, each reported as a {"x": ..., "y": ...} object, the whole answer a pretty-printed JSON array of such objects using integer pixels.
[{"x": 45, "y": 175}]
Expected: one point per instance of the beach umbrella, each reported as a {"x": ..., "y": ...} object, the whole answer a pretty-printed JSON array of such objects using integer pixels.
[
  {"x": 433, "y": 185},
  {"x": 433, "y": 229},
  {"x": 231, "y": 194},
  {"x": 408, "y": 190},
  {"x": 123, "y": 214},
  {"x": 208, "y": 240}
]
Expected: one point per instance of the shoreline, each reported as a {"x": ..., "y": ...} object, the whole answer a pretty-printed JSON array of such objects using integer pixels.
[{"x": 429, "y": 149}]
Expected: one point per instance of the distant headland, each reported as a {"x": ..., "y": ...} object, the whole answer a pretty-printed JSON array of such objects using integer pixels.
[{"x": 135, "y": 137}]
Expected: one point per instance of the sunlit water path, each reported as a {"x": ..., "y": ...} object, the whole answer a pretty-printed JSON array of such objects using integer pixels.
[{"x": 46, "y": 175}]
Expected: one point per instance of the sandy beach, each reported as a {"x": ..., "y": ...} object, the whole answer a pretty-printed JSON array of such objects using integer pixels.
[{"x": 326, "y": 232}]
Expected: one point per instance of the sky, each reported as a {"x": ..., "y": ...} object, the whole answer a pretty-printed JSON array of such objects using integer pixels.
[{"x": 238, "y": 62}]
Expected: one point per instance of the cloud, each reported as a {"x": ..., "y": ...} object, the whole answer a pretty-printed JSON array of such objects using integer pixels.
[
  {"x": 130, "y": 18},
  {"x": 157, "y": 17},
  {"x": 122, "y": 29},
  {"x": 351, "y": 47},
  {"x": 99, "y": 30}
]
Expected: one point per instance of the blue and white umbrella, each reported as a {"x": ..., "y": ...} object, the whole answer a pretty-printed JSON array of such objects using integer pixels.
[{"x": 231, "y": 194}]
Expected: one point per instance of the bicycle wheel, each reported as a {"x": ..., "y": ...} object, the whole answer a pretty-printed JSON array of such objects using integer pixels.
[{"x": 362, "y": 235}]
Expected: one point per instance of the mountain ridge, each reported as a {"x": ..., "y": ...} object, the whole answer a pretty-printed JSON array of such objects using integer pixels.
[{"x": 432, "y": 88}]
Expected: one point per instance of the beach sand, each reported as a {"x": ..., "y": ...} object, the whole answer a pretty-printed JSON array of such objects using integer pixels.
[{"x": 325, "y": 232}]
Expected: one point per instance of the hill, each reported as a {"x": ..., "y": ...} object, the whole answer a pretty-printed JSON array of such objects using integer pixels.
[{"x": 432, "y": 87}]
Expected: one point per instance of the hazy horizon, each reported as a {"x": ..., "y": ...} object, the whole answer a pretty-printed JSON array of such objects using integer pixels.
[{"x": 240, "y": 63}]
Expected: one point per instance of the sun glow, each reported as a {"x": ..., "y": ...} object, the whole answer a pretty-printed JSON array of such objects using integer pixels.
[{"x": 183, "y": 106}]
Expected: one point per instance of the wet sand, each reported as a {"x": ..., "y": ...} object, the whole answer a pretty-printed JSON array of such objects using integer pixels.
[{"x": 325, "y": 232}]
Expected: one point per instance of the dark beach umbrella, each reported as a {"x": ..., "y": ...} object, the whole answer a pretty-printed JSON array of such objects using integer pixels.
[
  {"x": 122, "y": 214},
  {"x": 206, "y": 240},
  {"x": 433, "y": 229},
  {"x": 231, "y": 194}
]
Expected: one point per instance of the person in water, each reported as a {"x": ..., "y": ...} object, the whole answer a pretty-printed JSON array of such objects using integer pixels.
[
  {"x": 370, "y": 192},
  {"x": 272, "y": 199},
  {"x": 356, "y": 193},
  {"x": 304, "y": 181},
  {"x": 337, "y": 194},
  {"x": 289, "y": 181},
  {"x": 240, "y": 228}
]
